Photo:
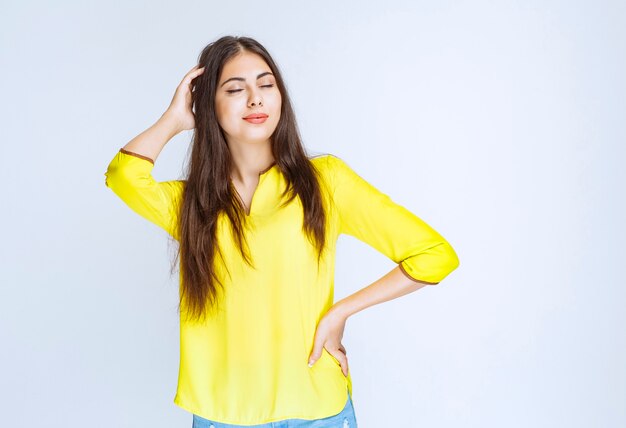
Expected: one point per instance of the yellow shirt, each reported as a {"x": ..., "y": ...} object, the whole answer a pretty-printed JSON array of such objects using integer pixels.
[{"x": 249, "y": 364}]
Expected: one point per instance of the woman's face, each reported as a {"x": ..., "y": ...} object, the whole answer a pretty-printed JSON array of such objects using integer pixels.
[{"x": 240, "y": 92}]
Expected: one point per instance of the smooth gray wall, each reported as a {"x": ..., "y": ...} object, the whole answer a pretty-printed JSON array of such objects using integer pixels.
[{"x": 501, "y": 124}]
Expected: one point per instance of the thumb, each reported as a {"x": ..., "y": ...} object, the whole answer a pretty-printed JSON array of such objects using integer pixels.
[{"x": 316, "y": 354}]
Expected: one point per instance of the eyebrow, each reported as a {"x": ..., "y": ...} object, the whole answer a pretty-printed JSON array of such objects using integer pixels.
[{"x": 243, "y": 80}]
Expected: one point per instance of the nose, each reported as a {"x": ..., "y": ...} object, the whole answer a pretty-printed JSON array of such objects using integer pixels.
[{"x": 255, "y": 98}]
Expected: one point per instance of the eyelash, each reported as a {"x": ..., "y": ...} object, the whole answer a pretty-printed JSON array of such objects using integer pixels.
[{"x": 237, "y": 90}]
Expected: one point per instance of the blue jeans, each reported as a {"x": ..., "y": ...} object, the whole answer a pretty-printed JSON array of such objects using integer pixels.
[{"x": 344, "y": 419}]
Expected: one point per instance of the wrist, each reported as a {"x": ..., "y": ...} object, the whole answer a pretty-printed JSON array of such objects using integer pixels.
[
  {"x": 170, "y": 123},
  {"x": 341, "y": 310}
]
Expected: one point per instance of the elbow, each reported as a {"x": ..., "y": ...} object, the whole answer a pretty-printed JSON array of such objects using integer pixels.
[
  {"x": 117, "y": 173},
  {"x": 106, "y": 179},
  {"x": 449, "y": 260},
  {"x": 111, "y": 177},
  {"x": 433, "y": 265},
  {"x": 112, "y": 173},
  {"x": 118, "y": 176},
  {"x": 115, "y": 178}
]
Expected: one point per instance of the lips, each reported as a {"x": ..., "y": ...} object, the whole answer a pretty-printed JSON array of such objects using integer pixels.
[{"x": 256, "y": 118}]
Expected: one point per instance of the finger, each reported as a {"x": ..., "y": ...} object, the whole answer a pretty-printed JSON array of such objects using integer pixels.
[
  {"x": 341, "y": 358},
  {"x": 192, "y": 74},
  {"x": 315, "y": 355},
  {"x": 188, "y": 80},
  {"x": 192, "y": 71},
  {"x": 343, "y": 349},
  {"x": 317, "y": 352},
  {"x": 196, "y": 74},
  {"x": 344, "y": 365}
]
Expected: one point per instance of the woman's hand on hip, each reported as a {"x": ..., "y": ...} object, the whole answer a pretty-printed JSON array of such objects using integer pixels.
[{"x": 328, "y": 335}]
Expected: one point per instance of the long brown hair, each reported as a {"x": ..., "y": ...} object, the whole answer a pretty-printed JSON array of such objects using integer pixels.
[{"x": 209, "y": 190}]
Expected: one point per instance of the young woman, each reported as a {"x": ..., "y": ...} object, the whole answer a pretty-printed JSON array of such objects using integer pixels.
[{"x": 256, "y": 221}]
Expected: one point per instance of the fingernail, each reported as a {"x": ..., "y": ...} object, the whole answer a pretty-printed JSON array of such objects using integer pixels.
[{"x": 310, "y": 364}]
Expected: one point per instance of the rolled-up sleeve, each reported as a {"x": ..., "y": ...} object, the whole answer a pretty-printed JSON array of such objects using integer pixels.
[
  {"x": 374, "y": 218},
  {"x": 129, "y": 176}
]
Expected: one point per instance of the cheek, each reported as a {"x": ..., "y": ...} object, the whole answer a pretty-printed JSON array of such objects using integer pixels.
[
  {"x": 227, "y": 112},
  {"x": 276, "y": 102}
]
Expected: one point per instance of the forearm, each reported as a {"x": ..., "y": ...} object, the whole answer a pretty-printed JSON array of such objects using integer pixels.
[
  {"x": 393, "y": 285},
  {"x": 151, "y": 141}
]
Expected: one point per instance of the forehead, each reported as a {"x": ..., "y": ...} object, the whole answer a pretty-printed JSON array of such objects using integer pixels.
[{"x": 246, "y": 64}]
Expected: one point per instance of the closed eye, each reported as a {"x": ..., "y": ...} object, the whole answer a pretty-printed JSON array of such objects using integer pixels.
[{"x": 237, "y": 90}]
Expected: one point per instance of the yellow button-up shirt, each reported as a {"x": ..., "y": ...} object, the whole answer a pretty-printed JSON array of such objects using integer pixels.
[{"x": 249, "y": 363}]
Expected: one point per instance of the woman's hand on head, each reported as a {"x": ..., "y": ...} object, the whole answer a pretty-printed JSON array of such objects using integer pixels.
[
  {"x": 180, "y": 108},
  {"x": 328, "y": 335}
]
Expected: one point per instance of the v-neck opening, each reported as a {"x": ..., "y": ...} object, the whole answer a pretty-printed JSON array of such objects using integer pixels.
[{"x": 262, "y": 174}]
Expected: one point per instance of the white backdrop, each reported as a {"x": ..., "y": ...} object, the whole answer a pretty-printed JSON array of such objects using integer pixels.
[{"x": 501, "y": 124}]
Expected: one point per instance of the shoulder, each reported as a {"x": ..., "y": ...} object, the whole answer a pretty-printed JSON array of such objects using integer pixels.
[
  {"x": 329, "y": 162},
  {"x": 320, "y": 159},
  {"x": 327, "y": 165},
  {"x": 335, "y": 169}
]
